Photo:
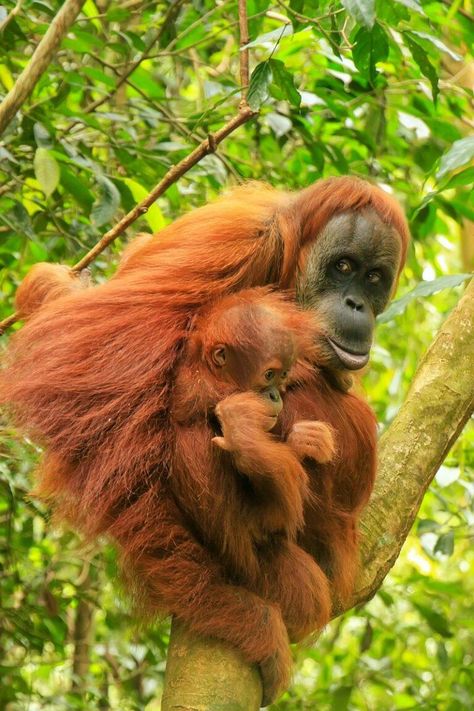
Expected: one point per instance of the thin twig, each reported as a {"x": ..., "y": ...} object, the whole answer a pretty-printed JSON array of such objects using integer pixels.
[
  {"x": 39, "y": 62},
  {"x": 177, "y": 171},
  {"x": 244, "y": 52}
]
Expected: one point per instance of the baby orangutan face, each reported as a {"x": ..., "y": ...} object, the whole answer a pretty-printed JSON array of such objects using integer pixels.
[
  {"x": 247, "y": 342},
  {"x": 249, "y": 371}
]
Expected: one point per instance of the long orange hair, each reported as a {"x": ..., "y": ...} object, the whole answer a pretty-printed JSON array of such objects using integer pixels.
[{"x": 90, "y": 374}]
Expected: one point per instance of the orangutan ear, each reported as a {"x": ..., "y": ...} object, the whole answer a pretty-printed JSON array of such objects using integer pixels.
[{"x": 219, "y": 356}]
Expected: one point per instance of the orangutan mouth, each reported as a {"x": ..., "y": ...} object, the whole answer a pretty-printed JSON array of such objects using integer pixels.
[{"x": 350, "y": 360}]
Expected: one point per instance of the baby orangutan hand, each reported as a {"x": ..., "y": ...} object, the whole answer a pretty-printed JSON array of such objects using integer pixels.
[
  {"x": 244, "y": 417},
  {"x": 314, "y": 439}
]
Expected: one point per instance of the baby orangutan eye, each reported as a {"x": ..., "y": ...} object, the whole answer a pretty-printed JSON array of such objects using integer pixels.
[
  {"x": 284, "y": 374},
  {"x": 269, "y": 375}
]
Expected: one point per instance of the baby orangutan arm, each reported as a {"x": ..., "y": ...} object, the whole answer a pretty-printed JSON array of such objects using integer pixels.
[
  {"x": 313, "y": 439},
  {"x": 276, "y": 475}
]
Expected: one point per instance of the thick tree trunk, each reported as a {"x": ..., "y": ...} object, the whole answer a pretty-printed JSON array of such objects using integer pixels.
[
  {"x": 205, "y": 675},
  {"x": 438, "y": 405}
]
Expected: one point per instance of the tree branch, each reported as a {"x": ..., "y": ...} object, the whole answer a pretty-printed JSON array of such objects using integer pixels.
[
  {"x": 39, "y": 61},
  {"x": 244, "y": 52},
  {"x": 206, "y": 674},
  {"x": 439, "y": 403},
  {"x": 177, "y": 171}
]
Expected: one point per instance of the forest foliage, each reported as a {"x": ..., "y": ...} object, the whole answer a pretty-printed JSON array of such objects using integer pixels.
[{"x": 377, "y": 88}]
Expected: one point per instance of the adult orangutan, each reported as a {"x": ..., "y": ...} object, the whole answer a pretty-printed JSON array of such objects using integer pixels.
[{"x": 92, "y": 375}]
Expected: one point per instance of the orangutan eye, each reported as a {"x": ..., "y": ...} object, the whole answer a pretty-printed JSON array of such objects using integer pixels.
[
  {"x": 374, "y": 277},
  {"x": 269, "y": 375},
  {"x": 344, "y": 266},
  {"x": 284, "y": 374}
]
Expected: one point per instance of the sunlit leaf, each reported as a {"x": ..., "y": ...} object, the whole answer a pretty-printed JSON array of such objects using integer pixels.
[
  {"x": 438, "y": 44},
  {"x": 279, "y": 124},
  {"x": 362, "y": 11},
  {"x": 425, "y": 288},
  {"x": 447, "y": 475},
  {"x": 271, "y": 37},
  {"x": 42, "y": 137},
  {"x": 460, "y": 153},
  {"x": 6, "y": 77},
  {"x": 46, "y": 170},
  {"x": 465, "y": 177},
  {"x": 412, "y": 5},
  {"x": 153, "y": 216}
]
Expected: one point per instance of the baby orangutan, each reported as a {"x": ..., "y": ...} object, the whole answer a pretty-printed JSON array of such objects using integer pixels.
[{"x": 242, "y": 489}]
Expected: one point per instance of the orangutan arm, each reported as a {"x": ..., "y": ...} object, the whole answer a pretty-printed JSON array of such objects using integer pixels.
[{"x": 274, "y": 470}]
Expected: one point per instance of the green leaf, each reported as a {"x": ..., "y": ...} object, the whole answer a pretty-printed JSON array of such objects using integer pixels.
[
  {"x": 363, "y": 11},
  {"x": 285, "y": 81},
  {"x": 460, "y": 153},
  {"x": 298, "y": 7},
  {"x": 371, "y": 46},
  {"x": 107, "y": 203},
  {"x": 425, "y": 288},
  {"x": 42, "y": 137},
  {"x": 38, "y": 251},
  {"x": 412, "y": 5},
  {"x": 465, "y": 177},
  {"x": 77, "y": 189},
  {"x": 256, "y": 13},
  {"x": 98, "y": 76},
  {"x": 259, "y": 84},
  {"x": 57, "y": 628},
  {"x": 445, "y": 544},
  {"x": 426, "y": 68},
  {"x": 436, "y": 620},
  {"x": 340, "y": 698},
  {"x": 386, "y": 598},
  {"x": 271, "y": 37},
  {"x": 46, "y": 170},
  {"x": 426, "y": 525},
  {"x": 438, "y": 44}
]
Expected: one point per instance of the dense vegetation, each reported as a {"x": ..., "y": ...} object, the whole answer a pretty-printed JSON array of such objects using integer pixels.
[{"x": 380, "y": 89}]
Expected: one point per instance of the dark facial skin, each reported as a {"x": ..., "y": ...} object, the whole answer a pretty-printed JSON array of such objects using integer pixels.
[{"x": 348, "y": 279}]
